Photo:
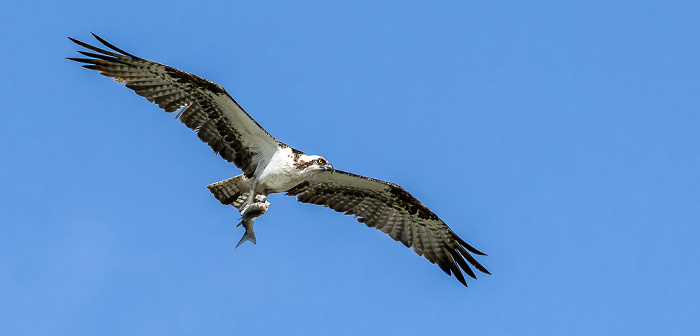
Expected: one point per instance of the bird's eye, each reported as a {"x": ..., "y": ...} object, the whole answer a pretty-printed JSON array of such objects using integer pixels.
[{"x": 320, "y": 161}]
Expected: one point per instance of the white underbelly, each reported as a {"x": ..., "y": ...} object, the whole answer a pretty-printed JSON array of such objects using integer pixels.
[{"x": 280, "y": 174}]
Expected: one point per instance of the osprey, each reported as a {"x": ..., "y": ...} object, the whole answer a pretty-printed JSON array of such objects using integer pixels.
[{"x": 270, "y": 166}]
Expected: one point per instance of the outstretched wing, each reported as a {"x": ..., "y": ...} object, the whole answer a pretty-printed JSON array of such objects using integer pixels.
[
  {"x": 203, "y": 105},
  {"x": 392, "y": 210}
]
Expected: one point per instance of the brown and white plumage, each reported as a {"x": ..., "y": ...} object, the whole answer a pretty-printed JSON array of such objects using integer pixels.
[
  {"x": 208, "y": 108},
  {"x": 391, "y": 209},
  {"x": 270, "y": 166}
]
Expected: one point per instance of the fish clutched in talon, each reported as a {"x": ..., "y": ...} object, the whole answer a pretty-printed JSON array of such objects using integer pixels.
[{"x": 248, "y": 215}]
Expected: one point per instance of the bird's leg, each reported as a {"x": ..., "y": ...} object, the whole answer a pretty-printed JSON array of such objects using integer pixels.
[
  {"x": 249, "y": 212},
  {"x": 251, "y": 196}
]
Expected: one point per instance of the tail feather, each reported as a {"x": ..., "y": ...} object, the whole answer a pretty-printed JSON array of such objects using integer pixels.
[{"x": 233, "y": 191}]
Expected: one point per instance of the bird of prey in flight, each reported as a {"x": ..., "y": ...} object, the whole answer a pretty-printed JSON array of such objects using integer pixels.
[{"x": 270, "y": 166}]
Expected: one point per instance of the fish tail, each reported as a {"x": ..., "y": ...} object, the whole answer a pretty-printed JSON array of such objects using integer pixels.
[{"x": 249, "y": 235}]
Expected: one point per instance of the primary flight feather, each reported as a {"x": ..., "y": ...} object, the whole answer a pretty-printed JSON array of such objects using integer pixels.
[{"x": 270, "y": 166}]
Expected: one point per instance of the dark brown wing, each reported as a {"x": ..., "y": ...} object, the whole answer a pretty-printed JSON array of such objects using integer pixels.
[
  {"x": 204, "y": 105},
  {"x": 392, "y": 210}
]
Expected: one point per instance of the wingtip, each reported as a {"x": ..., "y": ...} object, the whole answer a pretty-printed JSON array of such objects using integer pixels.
[
  {"x": 460, "y": 278},
  {"x": 467, "y": 246},
  {"x": 74, "y": 40},
  {"x": 105, "y": 43},
  {"x": 97, "y": 37}
]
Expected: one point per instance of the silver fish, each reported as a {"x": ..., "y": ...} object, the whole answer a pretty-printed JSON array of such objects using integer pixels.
[{"x": 248, "y": 215}]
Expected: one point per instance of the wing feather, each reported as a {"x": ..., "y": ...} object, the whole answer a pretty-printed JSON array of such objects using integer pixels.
[
  {"x": 388, "y": 225},
  {"x": 392, "y": 210},
  {"x": 203, "y": 106}
]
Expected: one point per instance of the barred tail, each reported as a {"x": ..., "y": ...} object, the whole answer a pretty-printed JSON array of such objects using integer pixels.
[{"x": 233, "y": 191}]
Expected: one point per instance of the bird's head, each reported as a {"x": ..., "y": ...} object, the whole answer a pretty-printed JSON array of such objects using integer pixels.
[{"x": 316, "y": 163}]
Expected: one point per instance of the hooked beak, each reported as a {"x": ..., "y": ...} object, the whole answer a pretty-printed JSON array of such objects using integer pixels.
[{"x": 330, "y": 168}]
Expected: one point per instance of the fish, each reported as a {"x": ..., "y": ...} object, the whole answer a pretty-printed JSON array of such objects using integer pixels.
[{"x": 248, "y": 215}]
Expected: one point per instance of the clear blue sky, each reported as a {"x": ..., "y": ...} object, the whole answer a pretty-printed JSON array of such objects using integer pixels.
[{"x": 561, "y": 139}]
